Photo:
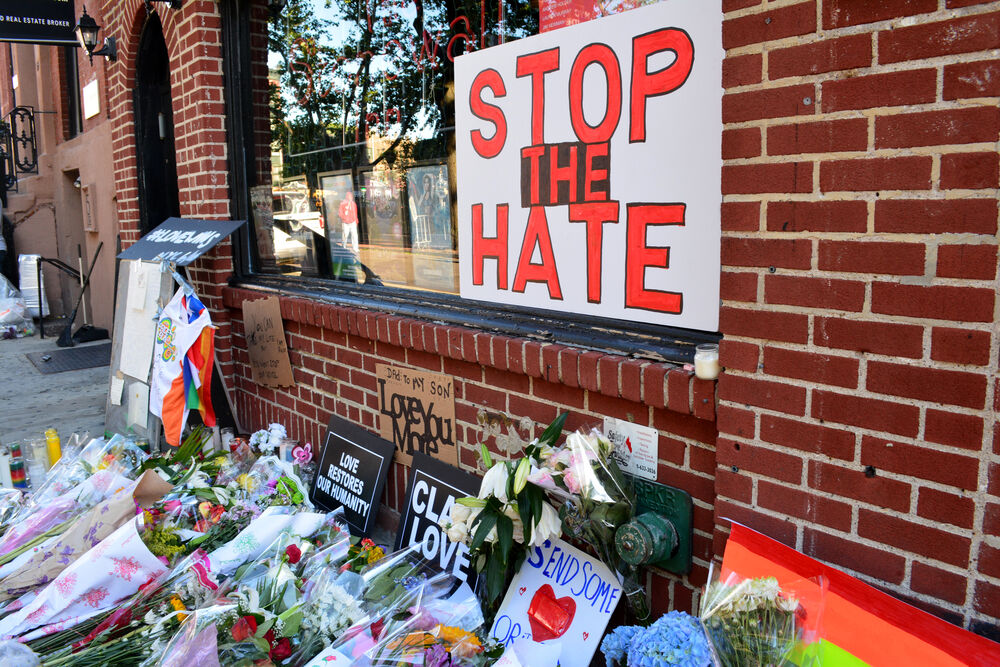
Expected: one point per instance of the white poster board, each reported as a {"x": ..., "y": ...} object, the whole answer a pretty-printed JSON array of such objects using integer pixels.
[
  {"x": 559, "y": 596},
  {"x": 589, "y": 167}
]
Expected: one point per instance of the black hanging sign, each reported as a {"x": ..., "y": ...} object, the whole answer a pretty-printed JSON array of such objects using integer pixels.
[
  {"x": 38, "y": 21},
  {"x": 180, "y": 240},
  {"x": 352, "y": 472},
  {"x": 434, "y": 487}
]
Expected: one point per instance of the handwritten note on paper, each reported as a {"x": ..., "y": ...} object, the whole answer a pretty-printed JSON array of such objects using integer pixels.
[
  {"x": 265, "y": 335},
  {"x": 417, "y": 413},
  {"x": 560, "y": 596}
]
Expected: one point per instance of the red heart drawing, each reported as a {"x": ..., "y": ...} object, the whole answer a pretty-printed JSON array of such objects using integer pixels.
[
  {"x": 548, "y": 617},
  {"x": 521, "y": 590},
  {"x": 586, "y": 635}
]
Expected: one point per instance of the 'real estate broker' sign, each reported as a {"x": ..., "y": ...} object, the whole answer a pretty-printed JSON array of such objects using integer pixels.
[
  {"x": 37, "y": 21},
  {"x": 589, "y": 167}
]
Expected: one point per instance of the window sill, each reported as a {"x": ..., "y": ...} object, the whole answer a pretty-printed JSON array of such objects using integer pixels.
[{"x": 630, "y": 365}]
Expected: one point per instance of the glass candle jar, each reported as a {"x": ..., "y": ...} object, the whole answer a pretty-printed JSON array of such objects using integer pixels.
[{"x": 706, "y": 361}]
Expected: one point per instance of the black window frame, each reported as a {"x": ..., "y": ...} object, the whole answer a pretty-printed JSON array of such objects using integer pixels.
[{"x": 637, "y": 340}]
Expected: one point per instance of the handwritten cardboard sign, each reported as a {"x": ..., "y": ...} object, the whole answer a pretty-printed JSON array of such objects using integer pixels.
[
  {"x": 562, "y": 595},
  {"x": 417, "y": 413},
  {"x": 434, "y": 487},
  {"x": 614, "y": 127},
  {"x": 352, "y": 472},
  {"x": 265, "y": 336}
]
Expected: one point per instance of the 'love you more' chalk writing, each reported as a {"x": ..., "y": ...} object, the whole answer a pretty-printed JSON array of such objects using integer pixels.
[{"x": 427, "y": 507}]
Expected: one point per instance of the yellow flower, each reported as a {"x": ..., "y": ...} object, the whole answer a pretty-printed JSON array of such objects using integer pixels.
[
  {"x": 176, "y": 603},
  {"x": 247, "y": 482},
  {"x": 375, "y": 554}
]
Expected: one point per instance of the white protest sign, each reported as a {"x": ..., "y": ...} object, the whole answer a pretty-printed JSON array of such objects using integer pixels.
[
  {"x": 560, "y": 595},
  {"x": 635, "y": 447},
  {"x": 589, "y": 167}
]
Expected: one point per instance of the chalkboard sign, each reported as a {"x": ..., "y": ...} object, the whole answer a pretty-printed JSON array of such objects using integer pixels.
[
  {"x": 38, "y": 22},
  {"x": 180, "y": 240},
  {"x": 434, "y": 487},
  {"x": 352, "y": 472}
]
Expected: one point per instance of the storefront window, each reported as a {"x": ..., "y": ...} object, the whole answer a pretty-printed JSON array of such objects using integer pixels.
[{"x": 354, "y": 135}]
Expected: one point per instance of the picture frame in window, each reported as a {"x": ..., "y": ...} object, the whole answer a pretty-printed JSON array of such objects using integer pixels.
[{"x": 434, "y": 255}]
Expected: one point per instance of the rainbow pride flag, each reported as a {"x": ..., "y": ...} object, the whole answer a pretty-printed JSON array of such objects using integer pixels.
[{"x": 858, "y": 624}]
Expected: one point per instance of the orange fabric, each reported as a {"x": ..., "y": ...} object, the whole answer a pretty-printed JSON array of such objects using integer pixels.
[
  {"x": 867, "y": 623},
  {"x": 172, "y": 414}
]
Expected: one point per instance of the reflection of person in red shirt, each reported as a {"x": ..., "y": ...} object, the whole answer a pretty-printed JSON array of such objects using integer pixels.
[{"x": 348, "y": 212}]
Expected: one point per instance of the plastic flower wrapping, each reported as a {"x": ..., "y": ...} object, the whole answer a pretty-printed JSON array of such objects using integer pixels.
[
  {"x": 513, "y": 510},
  {"x": 211, "y": 558},
  {"x": 759, "y": 622}
]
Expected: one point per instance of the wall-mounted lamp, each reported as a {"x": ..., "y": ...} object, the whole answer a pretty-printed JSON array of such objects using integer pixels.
[{"x": 86, "y": 35}]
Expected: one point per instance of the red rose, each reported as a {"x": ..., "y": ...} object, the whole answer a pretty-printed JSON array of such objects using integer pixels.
[
  {"x": 281, "y": 650},
  {"x": 244, "y": 628},
  {"x": 269, "y": 637},
  {"x": 293, "y": 553}
]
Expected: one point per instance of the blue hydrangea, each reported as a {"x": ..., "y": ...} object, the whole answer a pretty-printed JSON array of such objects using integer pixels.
[
  {"x": 615, "y": 645},
  {"x": 676, "y": 639}
]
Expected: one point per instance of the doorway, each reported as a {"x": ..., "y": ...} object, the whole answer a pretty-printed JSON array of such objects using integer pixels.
[{"x": 154, "y": 129}]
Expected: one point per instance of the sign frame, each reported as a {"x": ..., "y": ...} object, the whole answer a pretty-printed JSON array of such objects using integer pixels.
[
  {"x": 180, "y": 240},
  {"x": 354, "y": 436},
  {"x": 619, "y": 219},
  {"x": 39, "y": 22},
  {"x": 462, "y": 483}
]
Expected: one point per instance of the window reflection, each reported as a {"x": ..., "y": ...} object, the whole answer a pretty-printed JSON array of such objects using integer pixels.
[{"x": 354, "y": 134}]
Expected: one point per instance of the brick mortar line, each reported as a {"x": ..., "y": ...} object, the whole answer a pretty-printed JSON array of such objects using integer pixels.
[
  {"x": 941, "y": 14},
  {"x": 966, "y": 609},
  {"x": 915, "y": 483}
]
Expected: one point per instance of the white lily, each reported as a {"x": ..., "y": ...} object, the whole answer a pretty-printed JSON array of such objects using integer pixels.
[
  {"x": 549, "y": 526},
  {"x": 495, "y": 482}
]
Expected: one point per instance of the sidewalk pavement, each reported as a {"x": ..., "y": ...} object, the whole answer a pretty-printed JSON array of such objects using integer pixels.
[{"x": 30, "y": 402}]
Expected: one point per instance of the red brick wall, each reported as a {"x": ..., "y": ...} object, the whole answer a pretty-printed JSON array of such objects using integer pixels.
[
  {"x": 334, "y": 351},
  {"x": 193, "y": 38},
  {"x": 857, "y": 416}
]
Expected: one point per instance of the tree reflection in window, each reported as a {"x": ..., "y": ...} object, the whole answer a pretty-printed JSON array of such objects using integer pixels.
[{"x": 361, "y": 100}]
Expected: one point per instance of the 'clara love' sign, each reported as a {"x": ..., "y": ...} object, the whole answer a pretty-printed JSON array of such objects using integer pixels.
[
  {"x": 606, "y": 137},
  {"x": 434, "y": 487},
  {"x": 352, "y": 472},
  {"x": 560, "y": 594}
]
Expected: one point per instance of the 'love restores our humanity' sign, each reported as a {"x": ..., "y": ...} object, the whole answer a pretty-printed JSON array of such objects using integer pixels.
[
  {"x": 352, "y": 472},
  {"x": 615, "y": 128}
]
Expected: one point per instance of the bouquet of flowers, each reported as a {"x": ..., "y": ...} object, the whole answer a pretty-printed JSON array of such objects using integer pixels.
[
  {"x": 441, "y": 631},
  {"x": 752, "y": 622},
  {"x": 266, "y": 441},
  {"x": 596, "y": 501},
  {"x": 509, "y": 515},
  {"x": 676, "y": 638}
]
